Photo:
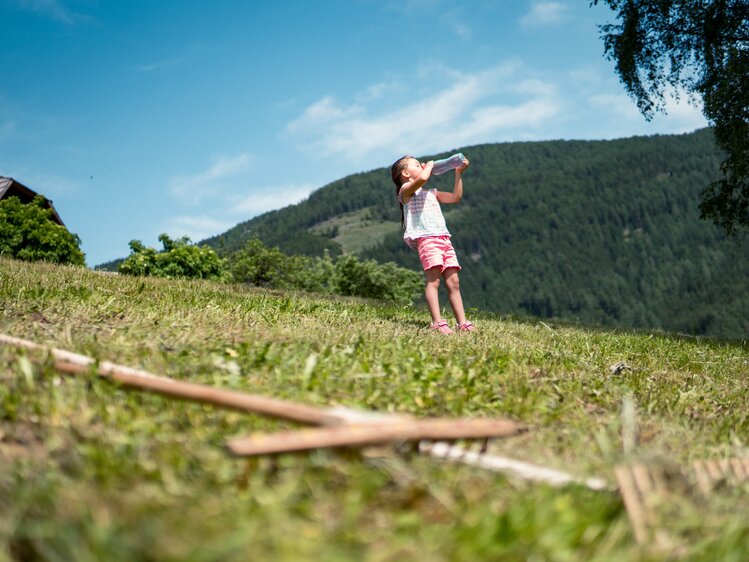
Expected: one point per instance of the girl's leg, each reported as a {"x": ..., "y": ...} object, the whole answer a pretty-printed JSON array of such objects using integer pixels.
[
  {"x": 431, "y": 293},
  {"x": 453, "y": 293}
]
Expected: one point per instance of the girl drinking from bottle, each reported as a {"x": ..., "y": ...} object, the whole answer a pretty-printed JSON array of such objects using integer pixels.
[{"x": 424, "y": 229}]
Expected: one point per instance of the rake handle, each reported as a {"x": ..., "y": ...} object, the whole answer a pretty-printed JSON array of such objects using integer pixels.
[{"x": 75, "y": 363}]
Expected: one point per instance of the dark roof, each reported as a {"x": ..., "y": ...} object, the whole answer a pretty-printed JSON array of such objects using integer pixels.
[{"x": 10, "y": 187}]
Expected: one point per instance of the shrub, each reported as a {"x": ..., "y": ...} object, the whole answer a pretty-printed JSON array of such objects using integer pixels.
[
  {"x": 179, "y": 259},
  {"x": 262, "y": 266},
  {"x": 371, "y": 279},
  {"x": 28, "y": 232},
  {"x": 259, "y": 265}
]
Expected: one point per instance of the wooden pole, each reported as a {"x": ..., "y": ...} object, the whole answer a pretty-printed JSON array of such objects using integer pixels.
[
  {"x": 135, "y": 378},
  {"x": 370, "y": 434}
]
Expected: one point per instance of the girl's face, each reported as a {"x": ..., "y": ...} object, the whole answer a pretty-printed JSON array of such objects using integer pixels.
[{"x": 414, "y": 168}]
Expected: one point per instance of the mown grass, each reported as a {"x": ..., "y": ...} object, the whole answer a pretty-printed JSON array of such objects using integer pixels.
[
  {"x": 356, "y": 230},
  {"x": 89, "y": 471}
]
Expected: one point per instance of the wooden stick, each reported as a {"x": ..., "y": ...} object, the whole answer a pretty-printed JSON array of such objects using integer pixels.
[
  {"x": 738, "y": 470},
  {"x": 643, "y": 478},
  {"x": 74, "y": 363},
  {"x": 714, "y": 470},
  {"x": 633, "y": 503},
  {"x": 370, "y": 434},
  {"x": 703, "y": 477},
  {"x": 135, "y": 378}
]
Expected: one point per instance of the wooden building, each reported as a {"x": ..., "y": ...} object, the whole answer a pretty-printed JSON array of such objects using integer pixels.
[{"x": 10, "y": 187}]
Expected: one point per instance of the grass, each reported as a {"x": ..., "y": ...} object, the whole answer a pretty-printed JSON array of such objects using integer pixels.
[
  {"x": 90, "y": 471},
  {"x": 356, "y": 231}
]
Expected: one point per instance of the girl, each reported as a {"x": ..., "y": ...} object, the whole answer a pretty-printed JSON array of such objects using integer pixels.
[{"x": 425, "y": 230}]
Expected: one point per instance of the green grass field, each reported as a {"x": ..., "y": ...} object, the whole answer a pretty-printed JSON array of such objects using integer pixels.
[
  {"x": 356, "y": 231},
  {"x": 90, "y": 471}
]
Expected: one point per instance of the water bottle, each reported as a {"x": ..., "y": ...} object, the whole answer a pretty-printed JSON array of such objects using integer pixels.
[{"x": 442, "y": 166}]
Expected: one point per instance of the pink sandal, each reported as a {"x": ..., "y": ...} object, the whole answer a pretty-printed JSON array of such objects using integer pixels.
[
  {"x": 466, "y": 327},
  {"x": 441, "y": 327}
]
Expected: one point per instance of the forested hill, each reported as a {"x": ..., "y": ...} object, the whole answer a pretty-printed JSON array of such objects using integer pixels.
[{"x": 601, "y": 232}]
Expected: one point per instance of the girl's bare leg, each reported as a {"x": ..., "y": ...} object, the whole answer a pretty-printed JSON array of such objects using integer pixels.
[
  {"x": 431, "y": 293},
  {"x": 453, "y": 293}
]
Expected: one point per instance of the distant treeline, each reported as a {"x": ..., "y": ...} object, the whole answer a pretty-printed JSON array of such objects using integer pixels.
[{"x": 601, "y": 232}]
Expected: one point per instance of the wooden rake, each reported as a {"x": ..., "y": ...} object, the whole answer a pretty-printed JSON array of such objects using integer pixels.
[
  {"x": 333, "y": 427},
  {"x": 338, "y": 427},
  {"x": 649, "y": 492}
]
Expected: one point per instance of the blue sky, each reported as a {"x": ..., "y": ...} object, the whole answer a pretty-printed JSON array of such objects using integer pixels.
[{"x": 139, "y": 117}]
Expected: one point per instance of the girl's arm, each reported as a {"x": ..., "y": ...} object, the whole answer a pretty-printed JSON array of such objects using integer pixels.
[
  {"x": 457, "y": 193},
  {"x": 412, "y": 186}
]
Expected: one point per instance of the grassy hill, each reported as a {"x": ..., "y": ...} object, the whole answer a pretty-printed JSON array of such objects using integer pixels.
[
  {"x": 90, "y": 471},
  {"x": 600, "y": 232}
]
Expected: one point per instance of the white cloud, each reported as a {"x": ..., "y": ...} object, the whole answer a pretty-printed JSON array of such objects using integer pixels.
[
  {"x": 446, "y": 109},
  {"x": 686, "y": 114},
  {"x": 462, "y": 30},
  {"x": 271, "y": 198},
  {"x": 196, "y": 187},
  {"x": 322, "y": 111},
  {"x": 453, "y": 19},
  {"x": 617, "y": 104},
  {"x": 158, "y": 65},
  {"x": 196, "y": 228},
  {"x": 545, "y": 13},
  {"x": 680, "y": 115},
  {"x": 379, "y": 91},
  {"x": 470, "y": 108},
  {"x": 237, "y": 209}
]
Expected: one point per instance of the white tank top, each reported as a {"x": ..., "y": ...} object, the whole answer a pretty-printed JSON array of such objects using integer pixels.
[{"x": 423, "y": 216}]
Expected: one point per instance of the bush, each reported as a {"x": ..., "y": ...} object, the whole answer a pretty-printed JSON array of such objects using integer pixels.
[
  {"x": 259, "y": 265},
  {"x": 179, "y": 259},
  {"x": 28, "y": 232},
  {"x": 371, "y": 279}
]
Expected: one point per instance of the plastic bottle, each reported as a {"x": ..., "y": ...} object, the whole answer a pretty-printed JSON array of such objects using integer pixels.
[{"x": 447, "y": 164}]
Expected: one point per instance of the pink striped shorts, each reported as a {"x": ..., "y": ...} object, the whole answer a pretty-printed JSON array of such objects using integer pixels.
[{"x": 437, "y": 251}]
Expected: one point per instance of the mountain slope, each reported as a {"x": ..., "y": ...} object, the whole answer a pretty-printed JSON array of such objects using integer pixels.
[{"x": 602, "y": 232}]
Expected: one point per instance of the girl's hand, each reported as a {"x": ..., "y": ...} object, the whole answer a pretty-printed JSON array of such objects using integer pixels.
[
  {"x": 426, "y": 171},
  {"x": 464, "y": 166}
]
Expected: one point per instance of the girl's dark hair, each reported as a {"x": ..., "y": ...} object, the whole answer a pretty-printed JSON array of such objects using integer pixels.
[{"x": 395, "y": 173}]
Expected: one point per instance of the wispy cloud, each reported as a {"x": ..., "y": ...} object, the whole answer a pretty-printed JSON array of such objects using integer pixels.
[
  {"x": 270, "y": 198},
  {"x": 470, "y": 108},
  {"x": 461, "y": 29},
  {"x": 237, "y": 209},
  {"x": 545, "y": 13},
  {"x": 194, "y": 188},
  {"x": 197, "y": 228},
  {"x": 680, "y": 115},
  {"x": 158, "y": 65},
  {"x": 54, "y": 9}
]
